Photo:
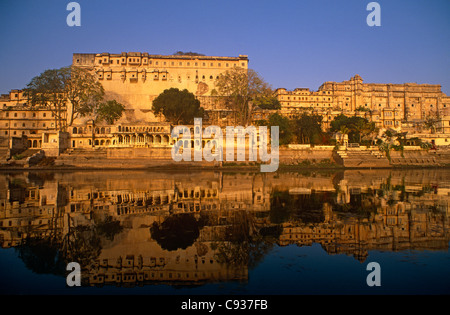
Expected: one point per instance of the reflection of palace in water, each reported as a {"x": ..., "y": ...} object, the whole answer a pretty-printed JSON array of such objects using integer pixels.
[
  {"x": 127, "y": 226},
  {"x": 411, "y": 211}
]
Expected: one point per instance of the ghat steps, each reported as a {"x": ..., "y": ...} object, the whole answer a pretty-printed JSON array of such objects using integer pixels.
[
  {"x": 406, "y": 158},
  {"x": 362, "y": 158}
]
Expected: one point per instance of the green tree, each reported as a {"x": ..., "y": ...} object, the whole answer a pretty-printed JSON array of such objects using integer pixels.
[
  {"x": 110, "y": 111},
  {"x": 83, "y": 91},
  {"x": 238, "y": 87},
  {"x": 67, "y": 91},
  {"x": 357, "y": 126},
  {"x": 267, "y": 102},
  {"x": 344, "y": 130},
  {"x": 362, "y": 127},
  {"x": 179, "y": 107},
  {"x": 307, "y": 127},
  {"x": 284, "y": 127},
  {"x": 49, "y": 90},
  {"x": 388, "y": 141}
]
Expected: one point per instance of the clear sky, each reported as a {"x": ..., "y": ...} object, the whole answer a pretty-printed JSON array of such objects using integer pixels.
[{"x": 290, "y": 43}]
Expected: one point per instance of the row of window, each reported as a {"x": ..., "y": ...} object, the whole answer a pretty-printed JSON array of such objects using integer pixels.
[
  {"x": 329, "y": 99},
  {"x": 127, "y": 277},
  {"x": 166, "y": 63},
  {"x": 390, "y": 123},
  {"x": 156, "y": 76},
  {"x": 27, "y": 114},
  {"x": 33, "y": 125},
  {"x": 23, "y": 132},
  {"x": 307, "y": 92},
  {"x": 18, "y": 223},
  {"x": 305, "y": 98},
  {"x": 365, "y": 105}
]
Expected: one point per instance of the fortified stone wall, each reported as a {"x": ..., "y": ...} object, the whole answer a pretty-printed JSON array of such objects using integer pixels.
[{"x": 135, "y": 79}]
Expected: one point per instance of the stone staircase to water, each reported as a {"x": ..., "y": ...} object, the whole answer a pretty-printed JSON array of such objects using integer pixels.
[
  {"x": 356, "y": 158},
  {"x": 362, "y": 159},
  {"x": 420, "y": 158}
]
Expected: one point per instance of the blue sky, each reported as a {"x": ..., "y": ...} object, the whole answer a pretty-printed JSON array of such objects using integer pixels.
[{"x": 290, "y": 43}]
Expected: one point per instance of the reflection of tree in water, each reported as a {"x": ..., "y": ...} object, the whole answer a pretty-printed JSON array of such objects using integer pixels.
[
  {"x": 178, "y": 231},
  {"x": 309, "y": 208},
  {"x": 17, "y": 190},
  {"x": 305, "y": 207},
  {"x": 83, "y": 243},
  {"x": 107, "y": 227},
  {"x": 360, "y": 204},
  {"x": 40, "y": 178},
  {"x": 243, "y": 244},
  {"x": 42, "y": 256}
]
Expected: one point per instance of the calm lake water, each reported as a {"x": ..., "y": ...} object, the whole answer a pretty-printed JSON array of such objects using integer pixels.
[{"x": 302, "y": 232}]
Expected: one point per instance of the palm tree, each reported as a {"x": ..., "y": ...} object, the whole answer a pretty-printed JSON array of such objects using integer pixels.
[
  {"x": 373, "y": 131},
  {"x": 359, "y": 127},
  {"x": 344, "y": 130}
]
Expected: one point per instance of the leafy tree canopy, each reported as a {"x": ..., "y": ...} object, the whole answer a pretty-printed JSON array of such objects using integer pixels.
[
  {"x": 179, "y": 107},
  {"x": 307, "y": 128},
  {"x": 190, "y": 53},
  {"x": 110, "y": 111},
  {"x": 84, "y": 92},
  {"x": 70, "y": 89},
  {"x": 284, "y": 127},
  {"x": 239, "y": 86},
  {"x": 49, "y": 90},
  {"x": 355, "y": 126},
  {"x": 267, "y": 102}
]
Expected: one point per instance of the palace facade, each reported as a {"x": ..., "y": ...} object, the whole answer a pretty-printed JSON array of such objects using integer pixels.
[
  {"x": 135, "y": 79},
  {"x": 397, "y": 106},
  {"x": 18, "y": 118}
]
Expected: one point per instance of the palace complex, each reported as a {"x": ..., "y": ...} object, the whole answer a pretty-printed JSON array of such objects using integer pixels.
[
  {"x": 136, "y": 79},
  {"x": 398, "y": 106}
]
